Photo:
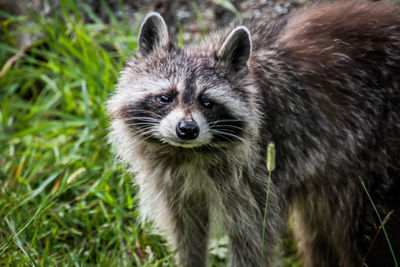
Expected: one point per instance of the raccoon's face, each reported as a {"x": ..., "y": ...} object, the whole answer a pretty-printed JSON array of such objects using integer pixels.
[{"x": 185, "y": 98}]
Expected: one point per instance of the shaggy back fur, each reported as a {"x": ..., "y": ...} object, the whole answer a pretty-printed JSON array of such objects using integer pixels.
[{"x": 322, "y": 84}]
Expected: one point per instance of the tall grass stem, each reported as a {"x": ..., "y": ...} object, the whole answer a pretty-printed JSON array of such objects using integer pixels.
[{"x": 270, "y": 167}]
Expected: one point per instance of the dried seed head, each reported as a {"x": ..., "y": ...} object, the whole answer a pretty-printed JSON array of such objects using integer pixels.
[{"x": 271, "y": 157}]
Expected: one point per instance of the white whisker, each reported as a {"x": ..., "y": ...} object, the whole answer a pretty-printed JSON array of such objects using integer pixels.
[{"x": 224, "y": 134}]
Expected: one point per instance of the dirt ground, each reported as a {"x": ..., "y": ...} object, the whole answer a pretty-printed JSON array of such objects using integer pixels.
[
  {"x": 196, "y": 17},
  {"x": 199, "y": 16}
]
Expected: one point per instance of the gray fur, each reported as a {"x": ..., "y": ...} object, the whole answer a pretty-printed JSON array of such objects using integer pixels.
[{"x": 324, "y": 88}]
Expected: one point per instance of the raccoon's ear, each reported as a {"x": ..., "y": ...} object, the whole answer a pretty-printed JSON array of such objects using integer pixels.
[
  {"x": 153, "y": 33},
  {"x": 235, "y": 51}
]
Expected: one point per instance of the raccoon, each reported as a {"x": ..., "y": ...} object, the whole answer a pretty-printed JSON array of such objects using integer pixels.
[{"x": 322, "y": 84}]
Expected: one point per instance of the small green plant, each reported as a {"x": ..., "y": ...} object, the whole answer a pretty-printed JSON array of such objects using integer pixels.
[
  {"x": 270, "y": 167},
  {"x": 228, "y": 5},
  {"x": 200, "y": 19}
]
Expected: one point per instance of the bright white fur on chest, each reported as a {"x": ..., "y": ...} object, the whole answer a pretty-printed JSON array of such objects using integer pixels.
[{"x": 154, "y": 182}]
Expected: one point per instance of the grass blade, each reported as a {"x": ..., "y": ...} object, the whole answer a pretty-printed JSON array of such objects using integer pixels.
[{"x": 381, "y": 222}]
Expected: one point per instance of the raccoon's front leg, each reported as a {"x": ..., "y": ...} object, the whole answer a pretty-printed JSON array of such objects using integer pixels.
[
  {"x": 246, "y": 247},
  {"x": 191, "y": 232},
  {"x": 245, "y": 226}
]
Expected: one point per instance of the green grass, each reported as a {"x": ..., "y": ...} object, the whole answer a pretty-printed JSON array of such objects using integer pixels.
[{"x": 63, "y": 199}]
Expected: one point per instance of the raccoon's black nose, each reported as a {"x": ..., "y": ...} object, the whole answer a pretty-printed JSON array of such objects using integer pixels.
[{"x": 187, "y": 130}]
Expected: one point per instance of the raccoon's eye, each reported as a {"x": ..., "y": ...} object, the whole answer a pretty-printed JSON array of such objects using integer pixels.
[
  {"x": 164, "y": 99},
  {"x": 207, "y": 104}
]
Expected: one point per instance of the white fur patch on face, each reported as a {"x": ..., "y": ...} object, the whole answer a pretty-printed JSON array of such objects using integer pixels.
[
  {"x": 179, "y": 85},
  {"x": 142, "y": 86},
  {"x": 167, "y": 129},
  {"x": 130, "y": 89}
]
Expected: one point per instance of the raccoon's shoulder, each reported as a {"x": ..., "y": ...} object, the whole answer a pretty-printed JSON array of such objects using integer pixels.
[
  {"x": 350, "y": 28},
  {"x": 324, "y": 34}
]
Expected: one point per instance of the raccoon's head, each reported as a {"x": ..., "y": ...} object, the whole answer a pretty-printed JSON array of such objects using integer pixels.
[{"x": 188, "y": 98}]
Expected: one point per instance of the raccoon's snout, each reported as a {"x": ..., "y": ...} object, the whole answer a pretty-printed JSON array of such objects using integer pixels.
[{"x": 187, "y": 130}]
